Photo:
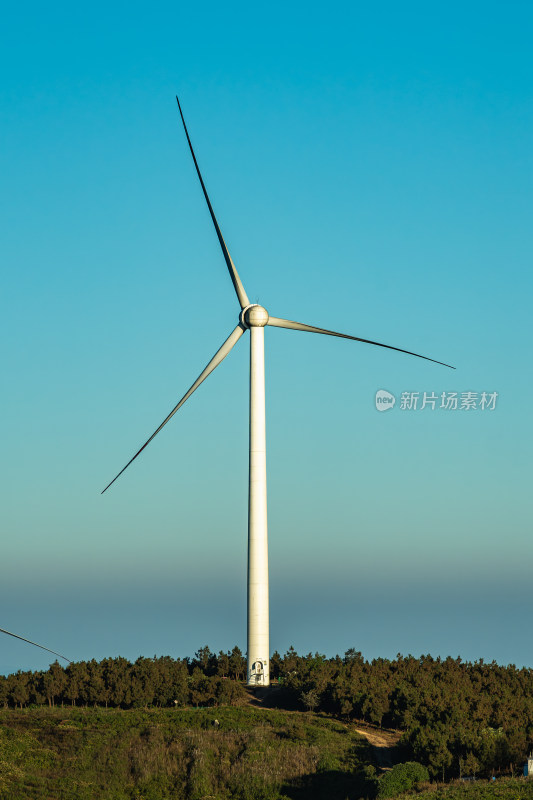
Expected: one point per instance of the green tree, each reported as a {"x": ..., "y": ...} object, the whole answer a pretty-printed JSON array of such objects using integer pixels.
[
  {"x": 3, "y": 690},
  {"x": 18, "y": 691},
  {"x": 469, "y": 765},
  {"x": 77, "y": 677},
  {"x": 310, "y": 699},
  {"x": 205, "y": 660},
  {"x": 54, "y": 682},
  {"x": 237, "y": 664},
  {"x": 402, "y": 778},
  {"x": 223, "y": 664}
]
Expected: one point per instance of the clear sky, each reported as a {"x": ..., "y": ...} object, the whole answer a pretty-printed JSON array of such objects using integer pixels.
[{"x": 371, "y": 169}]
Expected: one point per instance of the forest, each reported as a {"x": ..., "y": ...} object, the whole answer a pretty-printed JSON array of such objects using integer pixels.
[{"x": 454, "y": 719}]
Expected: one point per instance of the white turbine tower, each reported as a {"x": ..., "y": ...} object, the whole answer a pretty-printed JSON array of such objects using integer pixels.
[{"x": 254, "y": 318}]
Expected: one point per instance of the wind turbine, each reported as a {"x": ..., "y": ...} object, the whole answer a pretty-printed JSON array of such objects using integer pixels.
[{"x": 254, "y": 318}]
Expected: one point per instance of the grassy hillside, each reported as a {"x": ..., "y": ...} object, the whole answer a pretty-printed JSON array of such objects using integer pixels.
[
  {"x": 242, "y": 753},
  {"x": 457, "y": 718},
  {"x": 179, "y": 753}
]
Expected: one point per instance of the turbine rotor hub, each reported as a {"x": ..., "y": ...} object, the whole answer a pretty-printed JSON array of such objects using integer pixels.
[{"x": 254, "y": 316}]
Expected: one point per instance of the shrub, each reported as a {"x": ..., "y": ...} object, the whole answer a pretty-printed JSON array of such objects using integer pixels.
[{"x": 401, "y": 778}]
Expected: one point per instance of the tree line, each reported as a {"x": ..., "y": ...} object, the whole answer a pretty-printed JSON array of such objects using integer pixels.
[
  {"x": 459, "y": 718},
  {"x": 118, "y": 683}
]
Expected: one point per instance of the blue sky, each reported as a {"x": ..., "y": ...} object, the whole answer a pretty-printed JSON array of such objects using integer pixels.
[{"x": 371, "y": 170}]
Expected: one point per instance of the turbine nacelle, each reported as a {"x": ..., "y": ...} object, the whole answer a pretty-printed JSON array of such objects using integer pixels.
[{"x": 254, "y": 316}]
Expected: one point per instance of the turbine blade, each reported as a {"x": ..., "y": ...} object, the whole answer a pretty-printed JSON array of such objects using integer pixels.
[
  {"x": 16, "y": 636},
  {"x": 237, "y": 283},
  {"x": 219, "y": 356},
  {"x": 300, "y": 326}
]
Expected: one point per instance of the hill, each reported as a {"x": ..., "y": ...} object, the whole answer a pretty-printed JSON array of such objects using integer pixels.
[
  {"x": 451, "y": 718},
  {"x": 242, "y": 753},
  {"x": 225, "y": 753}
]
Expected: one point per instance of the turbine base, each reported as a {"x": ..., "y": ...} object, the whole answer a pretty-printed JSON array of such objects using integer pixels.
[{"x": 259, "y": 673}]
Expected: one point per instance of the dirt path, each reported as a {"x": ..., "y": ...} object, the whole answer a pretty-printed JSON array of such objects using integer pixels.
[
  {"x": 383, "y": 743},
  {"x": 377, "y": 736}
]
